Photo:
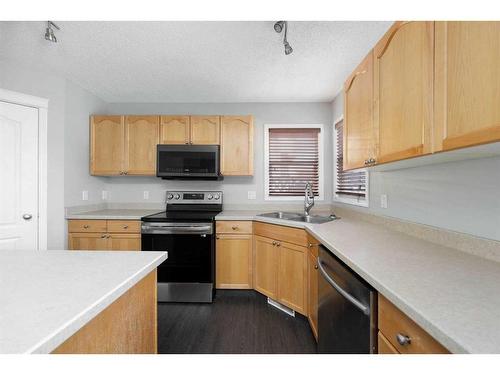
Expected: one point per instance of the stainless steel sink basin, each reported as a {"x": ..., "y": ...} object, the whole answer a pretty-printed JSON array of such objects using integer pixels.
[{"x": 313, "y": 219}]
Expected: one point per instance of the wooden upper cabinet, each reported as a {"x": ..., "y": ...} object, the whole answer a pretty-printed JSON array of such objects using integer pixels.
[
  {"x": 107, "y": 149},
  {"x": 141, "y": 138},
  {"x": 403, "y": 91},
  {"x": 358, "y": 116},
  {"x": 237, "y": 145},
  {"x": 467, "y": 80},
  {"x": 205, "y": 130},
  {"x": 174, "y": 130},
  {"x": 266, "y": 261}
]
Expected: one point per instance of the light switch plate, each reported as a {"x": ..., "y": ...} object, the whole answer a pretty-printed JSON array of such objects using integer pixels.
[
  {"x": 383, "y": 201},
  {"x": 104, "y": 195},
  {"x": 252, "y": 194},
  {"x": 145, "y": 195},
  {"x": 85, "y": 195}
]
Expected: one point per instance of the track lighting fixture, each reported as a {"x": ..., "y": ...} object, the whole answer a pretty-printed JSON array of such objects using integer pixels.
[
  {"x": 278, "y": 27},
  {"x": 49, "y": 32}
]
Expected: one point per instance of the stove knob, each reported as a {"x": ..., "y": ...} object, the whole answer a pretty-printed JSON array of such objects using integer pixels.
[
  {"x": 210, "y": 197},
  {"x": 170, "y": 196},
  {"x": 217, "y": 196},
  {"x": 177, "y": 196}
]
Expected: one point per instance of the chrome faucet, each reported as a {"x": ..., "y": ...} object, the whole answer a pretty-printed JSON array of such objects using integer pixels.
[{"x": 308, "y": 199}]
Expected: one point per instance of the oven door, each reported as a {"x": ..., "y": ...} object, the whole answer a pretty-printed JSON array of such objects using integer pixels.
[
  {"x": 187, "y": 162},
  {"x": 188, "y": 273}
]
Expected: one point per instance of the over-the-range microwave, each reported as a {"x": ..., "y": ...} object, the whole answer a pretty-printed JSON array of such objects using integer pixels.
[{"x": 188, "y": 162}]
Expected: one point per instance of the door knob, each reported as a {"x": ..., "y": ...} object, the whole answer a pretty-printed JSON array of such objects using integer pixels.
[{"x": 27, "y": 216}]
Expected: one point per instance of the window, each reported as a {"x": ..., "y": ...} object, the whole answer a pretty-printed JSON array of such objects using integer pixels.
[
  {"x": 349, "y": 186},
  {"x": 293, "y": 157}
]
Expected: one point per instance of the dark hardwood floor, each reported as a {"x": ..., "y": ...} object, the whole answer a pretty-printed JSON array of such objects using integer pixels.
[{"x": 237, "y": 322}]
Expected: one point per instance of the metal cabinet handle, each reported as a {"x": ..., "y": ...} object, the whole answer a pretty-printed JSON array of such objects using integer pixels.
[
  {"x": 278, "y": 244},
  {"x": 186, "y": 142},
  {"x": 274, "y": 243},
  {"x": 403, "y": 340},
  {"x": 315, "y": 266},
  {"x": 217, "y": 237},
  {"x": 27, "y": 216},
  {"x": 125, "y": 227},
  {"x": 103, "y": 236},
  {"x": 86, "y": 226},
  {"x": 234, "y": 227}
]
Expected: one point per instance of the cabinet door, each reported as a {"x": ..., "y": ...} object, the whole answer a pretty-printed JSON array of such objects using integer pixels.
[
  {"x": 312, "y": 296},
  {"x": 292, "y": 277},
  {"x": 237, "y": 145},
  {"x": 233, "y": 269},
  {"x": 358, "y": 116},
  {"x": 107, "y": 138},
  {"x": 266, "y": 267},
  {"x": 124, "y": 242},
  {"x": 141, "y": 138},
  {"x": 403, "y": 91},
  {"x": 467, "y": 76},
  {"x": 87, "y": 241},
  {"x": 174, "y": 130},
  {"x": 205, "y": 130}
]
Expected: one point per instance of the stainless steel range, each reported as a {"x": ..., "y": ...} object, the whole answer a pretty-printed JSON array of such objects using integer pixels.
[{"x": 186, "y": 230}]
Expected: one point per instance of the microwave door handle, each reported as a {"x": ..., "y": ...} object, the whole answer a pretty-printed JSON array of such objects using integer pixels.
[{"x": 347, "y": 296}]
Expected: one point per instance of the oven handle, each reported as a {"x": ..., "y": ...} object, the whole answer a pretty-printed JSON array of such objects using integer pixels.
[
  {"x": 347, "y": 296},
  {"x": 205, "y": 229}
]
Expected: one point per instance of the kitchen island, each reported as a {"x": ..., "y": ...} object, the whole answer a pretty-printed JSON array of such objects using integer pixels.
[{"x": 78, "y": 301}]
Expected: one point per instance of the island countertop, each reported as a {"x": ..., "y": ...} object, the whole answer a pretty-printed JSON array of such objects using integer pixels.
[{"x": 46, "y": 296}]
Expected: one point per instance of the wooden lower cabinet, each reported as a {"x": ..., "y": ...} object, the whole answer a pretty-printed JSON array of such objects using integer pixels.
[
  {"x": 280, "y": 272},
  {"x": 127, "y": 326},
  {"x": 266, "y": 260},
  {"x": 312, "y": 301},
  {"x": 393, "y": 323},
  {"x": 384, "y": 346},
  {"x": 233, "y": 261},
  {"x": 121, "y": 235}
]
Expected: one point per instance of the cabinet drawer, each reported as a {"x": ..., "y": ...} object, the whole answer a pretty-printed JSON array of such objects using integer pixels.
[
  {"x": 124, "y": 226},
  {"x": 282, "y": 233},
  {"x": 384, "y": 346},
  {"x": 86, "y": 226},
  {"x": 244, "y": 227},
  {"x": 393, "y": 322}
]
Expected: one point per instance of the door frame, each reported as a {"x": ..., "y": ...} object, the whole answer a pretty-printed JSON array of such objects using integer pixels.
[{"x": 41, "y": 104}]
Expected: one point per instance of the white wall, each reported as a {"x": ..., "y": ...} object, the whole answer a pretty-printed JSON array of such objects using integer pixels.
[
  {"x": 460, "y": 196},
  {"x": 67, "y": 158},
  {"x": 130, "y": 189},
  {"x": 80, "y": 104}
]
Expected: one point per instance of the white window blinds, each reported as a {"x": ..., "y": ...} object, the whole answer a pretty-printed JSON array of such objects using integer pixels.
[
  {"x": 293, "y": 161},
  {"x": 347, "y": 183}
]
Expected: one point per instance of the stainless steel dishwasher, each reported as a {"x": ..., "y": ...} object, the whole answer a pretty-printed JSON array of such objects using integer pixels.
[{"x": 347, "y": 309}]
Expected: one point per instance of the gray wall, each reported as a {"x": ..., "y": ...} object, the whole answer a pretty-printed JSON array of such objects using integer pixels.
[
  {"x": 67, "y": 158},
  {"x": 460, "y": 196},
  {"x": 130, "y": 189}
]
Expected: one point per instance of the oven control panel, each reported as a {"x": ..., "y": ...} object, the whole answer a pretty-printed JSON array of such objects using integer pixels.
[{"x": 190, "y": 197}]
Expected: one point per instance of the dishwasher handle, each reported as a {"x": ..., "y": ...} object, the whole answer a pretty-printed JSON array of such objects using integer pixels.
[{"x": 347, "y": 296}]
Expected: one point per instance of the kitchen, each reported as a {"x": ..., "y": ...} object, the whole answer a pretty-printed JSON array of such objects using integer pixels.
[{"x": 243, "y": 205}]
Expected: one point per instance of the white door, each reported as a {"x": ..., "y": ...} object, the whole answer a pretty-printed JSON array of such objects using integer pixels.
[{"x": 18, "y": 177}]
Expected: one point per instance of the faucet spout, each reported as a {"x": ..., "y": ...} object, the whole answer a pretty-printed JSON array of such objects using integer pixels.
[{"x": 308, "y": 198}]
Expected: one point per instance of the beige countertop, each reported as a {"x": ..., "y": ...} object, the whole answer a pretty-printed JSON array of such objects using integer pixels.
[
  {"x": 451, "y": 294},
  {"x": 112, "y": 214}
]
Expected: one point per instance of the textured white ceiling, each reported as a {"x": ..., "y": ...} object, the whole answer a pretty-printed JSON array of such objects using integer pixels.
[{"x": 196, "y": 61}]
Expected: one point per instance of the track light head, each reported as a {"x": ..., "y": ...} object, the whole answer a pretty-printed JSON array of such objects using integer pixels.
[{"x": 49, "y": 32}]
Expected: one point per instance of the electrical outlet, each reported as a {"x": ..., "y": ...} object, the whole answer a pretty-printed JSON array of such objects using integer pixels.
[
  {"x": 383, "y": 201},
  {"x": 145, "y": 195},
  {"x": 252, "y": 195},
  {"x": 104, "y": 195},
  {"x": 85, "y": 195}
]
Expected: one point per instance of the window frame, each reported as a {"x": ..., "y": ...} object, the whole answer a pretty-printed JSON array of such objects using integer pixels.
[
  {"x": 321, "y": 181},
  {"x": 340, "y": 198}
]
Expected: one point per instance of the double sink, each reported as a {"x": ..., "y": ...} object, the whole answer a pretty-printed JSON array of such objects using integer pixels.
[{"x": 293, "y": 216}]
